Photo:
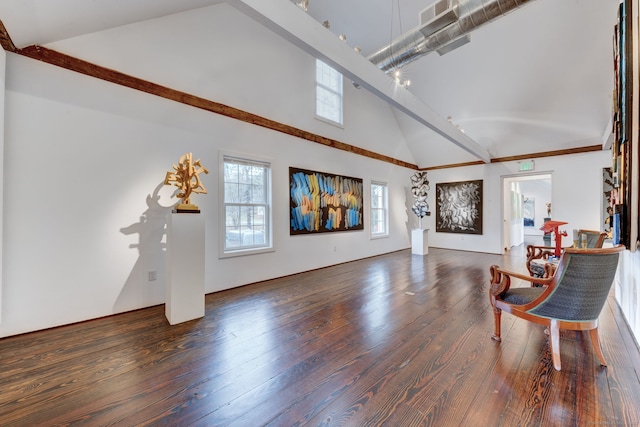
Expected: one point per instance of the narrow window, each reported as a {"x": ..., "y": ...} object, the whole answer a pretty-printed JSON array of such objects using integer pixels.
[
  {"x": 328, "y": 93},
  {"x": 379, "y": 210},
  {"x": 246, "y": 205}
]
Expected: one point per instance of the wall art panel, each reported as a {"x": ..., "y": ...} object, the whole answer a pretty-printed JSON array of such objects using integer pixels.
[
  {"x": 322, "y": 202},
  {"x": 459, "y": 207}
]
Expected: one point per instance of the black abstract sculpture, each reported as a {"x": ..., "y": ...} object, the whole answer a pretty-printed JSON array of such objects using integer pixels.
[{"x": 419, "y": 189}]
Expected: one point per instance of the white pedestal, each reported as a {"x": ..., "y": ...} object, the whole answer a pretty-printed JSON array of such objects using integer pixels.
[
  {"x": 185, "y": 267},
  {"x": 419, "y": 242}
]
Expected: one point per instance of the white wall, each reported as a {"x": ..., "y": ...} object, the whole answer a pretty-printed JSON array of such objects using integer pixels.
[
  {"x": 254, "y": 70},
  {"x": 627, "y": 287},
  {"x": 82, "y": 231},
  {"x": 576, "y": 196},
  {"x": 3, "y": 63},
  {"x": 84, "y": 160}
]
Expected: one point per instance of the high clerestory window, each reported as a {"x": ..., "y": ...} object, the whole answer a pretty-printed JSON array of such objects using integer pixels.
[{"x": 328, "y": 93}]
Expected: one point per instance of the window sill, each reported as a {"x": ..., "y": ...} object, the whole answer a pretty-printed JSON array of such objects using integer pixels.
[
  {"x": 329, "y": 122},
  {"x": 379, "y": 236},
  {"x": 244, "y": 252}
]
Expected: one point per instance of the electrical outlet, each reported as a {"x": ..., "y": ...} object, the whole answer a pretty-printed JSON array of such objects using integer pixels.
[{"x": 153, "y": 275}]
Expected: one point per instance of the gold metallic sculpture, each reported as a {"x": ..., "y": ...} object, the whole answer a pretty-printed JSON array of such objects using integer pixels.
[{"x": 187, "y": 180}]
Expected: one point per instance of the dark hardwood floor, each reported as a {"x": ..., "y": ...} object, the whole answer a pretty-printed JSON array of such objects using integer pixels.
[{"x": 394, "y": 340}]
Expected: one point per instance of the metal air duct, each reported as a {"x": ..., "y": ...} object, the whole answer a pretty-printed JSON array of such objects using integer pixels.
[{"x": 414, "y": 44}]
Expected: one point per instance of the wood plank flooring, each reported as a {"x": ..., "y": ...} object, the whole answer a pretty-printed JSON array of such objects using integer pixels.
[{"x": 395, "y": 340}]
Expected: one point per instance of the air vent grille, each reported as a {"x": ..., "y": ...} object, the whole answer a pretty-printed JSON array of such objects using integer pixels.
[
  {"x": 434, "y": 10},
  {"x": 437, "y": 16}
]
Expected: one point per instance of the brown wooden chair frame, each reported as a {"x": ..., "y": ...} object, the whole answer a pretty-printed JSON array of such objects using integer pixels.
[
  {"x": 501, "y": 282},
  {"x": 544, "y": 252}
]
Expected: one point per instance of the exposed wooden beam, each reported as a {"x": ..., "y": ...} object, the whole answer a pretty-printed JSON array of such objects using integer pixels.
[
  {"x": 576, "y": 150},
  {"x": 5, "y": 39},
  {"x": 453, "y": 165},
  {"x": 80, "y": 66}
]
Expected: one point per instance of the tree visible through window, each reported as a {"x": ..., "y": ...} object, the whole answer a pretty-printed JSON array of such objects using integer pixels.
[
  {"x": 246, "y": 204},
  {"x": 328, "y": 92},
  {"x": 379, "y": 209}
]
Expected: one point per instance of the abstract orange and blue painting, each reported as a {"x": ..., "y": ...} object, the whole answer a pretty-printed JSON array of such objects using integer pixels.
[{"x": 322, "y": 202}]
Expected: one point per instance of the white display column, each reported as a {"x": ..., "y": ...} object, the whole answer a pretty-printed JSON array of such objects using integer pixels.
[
  {"x": 419, "y": 241},
  {"x": 185, "y": 267}
]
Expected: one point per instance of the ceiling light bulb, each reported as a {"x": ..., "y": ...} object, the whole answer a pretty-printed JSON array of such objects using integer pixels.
[
  {"x": 343, "y": 37},
  {"x": 303, "y": 4}
]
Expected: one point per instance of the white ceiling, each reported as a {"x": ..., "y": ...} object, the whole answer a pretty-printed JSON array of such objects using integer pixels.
[{"x": 538, "y": 79}]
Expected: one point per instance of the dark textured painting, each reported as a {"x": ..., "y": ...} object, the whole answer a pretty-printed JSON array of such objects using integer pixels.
[
  {"x": 459, "y": 207},
  {"x": 322, "y": 202}
]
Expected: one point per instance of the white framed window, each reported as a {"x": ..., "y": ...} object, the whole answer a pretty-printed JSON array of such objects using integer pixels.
[
  {"x": 245, "y": 195},
  {"x": 328, "y": 93},
  {"x": 379, "y": 209}
]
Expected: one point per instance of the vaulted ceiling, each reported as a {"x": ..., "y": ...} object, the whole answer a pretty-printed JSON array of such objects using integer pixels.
[{"x": 536, "y": 80}]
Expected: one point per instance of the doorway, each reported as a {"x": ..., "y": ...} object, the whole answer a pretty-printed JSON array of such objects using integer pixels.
[{"x": 526, "y": 206}]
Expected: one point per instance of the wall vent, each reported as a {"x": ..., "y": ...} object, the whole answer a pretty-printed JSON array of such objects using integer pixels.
[{"x": 437, "y": 16}]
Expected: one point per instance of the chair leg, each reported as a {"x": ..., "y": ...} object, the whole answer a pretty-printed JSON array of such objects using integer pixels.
[
  {"x": 595, "y": 342},
  {"x": 497, "y": 315},
  {"x": 554, "y": 342}
]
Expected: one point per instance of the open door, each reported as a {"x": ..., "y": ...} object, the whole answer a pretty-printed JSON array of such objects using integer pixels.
[{"x": 525, "y": 201}]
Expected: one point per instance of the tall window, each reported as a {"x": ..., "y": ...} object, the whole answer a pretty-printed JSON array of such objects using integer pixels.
[
  {"x": 247, "y": 205},
  {"x": 379, "y": 210},
  {"x": 328, "y": 93}
]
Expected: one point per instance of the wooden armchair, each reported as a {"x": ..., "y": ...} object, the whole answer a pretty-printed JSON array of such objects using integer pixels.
[
  {"x": 571, "y": 299},
  {"x": 593, "y": 239}
]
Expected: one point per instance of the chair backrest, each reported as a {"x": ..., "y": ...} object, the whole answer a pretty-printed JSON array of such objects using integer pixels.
[
  {"x": 594, "y": 239},
  {"x": 581, "y": 284}
]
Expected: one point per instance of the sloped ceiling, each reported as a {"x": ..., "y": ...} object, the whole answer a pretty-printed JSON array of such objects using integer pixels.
[{"x": 537, "y": 80}]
